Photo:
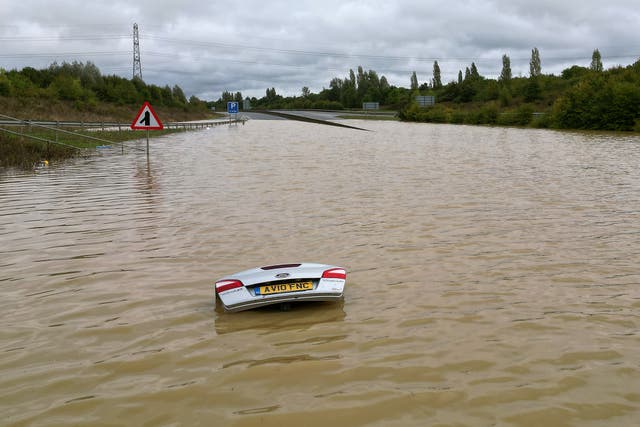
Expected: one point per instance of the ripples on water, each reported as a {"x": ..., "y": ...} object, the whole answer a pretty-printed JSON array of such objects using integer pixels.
[{"x": 493, "y": 280}]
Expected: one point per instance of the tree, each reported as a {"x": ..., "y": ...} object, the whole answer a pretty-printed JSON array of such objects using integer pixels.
[
  {"x": 348, "y": 95},
  {"x": 373, "y": 92},
  {"x": 5, "y": 84},
  {"x": 271, "y": 94},
  {"x": 414, "y": 81},
  {"x": 167, "y": 95},
  {"x": 534, "y": 65},
  {"x": 505, "y": 74},
  {"x": 532, "y": 89},
  {"x": 574, "y": 72},
  {"x": 362, "y": 83},
  {"x": 305, "y": 92},
  {"x": 89, "y": 74},
  {"x": 66, "y": 87},
  {"x": 475, "y": 75},
  {"x": 227, "y": 96},
  {"x": 608, "y": 100},
  {"x": 596, "y": 61},
  {"x": 437, "y": 79},
  {"x": 21, "y": 85},
  {"x": 155, "y": 94},
  {"x": 178, "y": 95},
  {"x": 384, "y": 89},
  {"x": 335, "y": 89},
  {"x": 41, "y": 78},
  {"x": 194, "y": 100},
  {"x": 459, "y": 76}
]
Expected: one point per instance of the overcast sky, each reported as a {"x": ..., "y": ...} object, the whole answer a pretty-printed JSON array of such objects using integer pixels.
[{"x": 210, "y": 46}]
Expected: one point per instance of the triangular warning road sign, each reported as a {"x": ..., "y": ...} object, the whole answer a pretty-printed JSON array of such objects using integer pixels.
[{"x": 147, "y": 119}]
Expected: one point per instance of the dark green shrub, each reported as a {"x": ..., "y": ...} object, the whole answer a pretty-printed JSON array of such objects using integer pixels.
[{"x": 458, "y": 117}]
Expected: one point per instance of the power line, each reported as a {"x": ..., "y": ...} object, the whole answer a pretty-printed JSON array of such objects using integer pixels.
[
  {"x": 373, "y": 60},
  {"x": 356, "y": 55},
  {"x": 236, "y": 47},
  {"x": 55, "y": 38},
  {"x": 261, "y": 62},
  {"x": 58, "y": 54}
]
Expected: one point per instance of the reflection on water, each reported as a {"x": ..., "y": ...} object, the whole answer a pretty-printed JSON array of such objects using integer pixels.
[
  {"x": 492, "y": 279},
  {"x": 272, "y": 318}
]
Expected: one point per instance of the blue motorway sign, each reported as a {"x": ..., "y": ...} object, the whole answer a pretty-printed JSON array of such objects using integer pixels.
[{"x": 232, "y": 107}]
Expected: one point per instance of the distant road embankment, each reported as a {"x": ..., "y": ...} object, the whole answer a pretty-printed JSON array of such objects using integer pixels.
[{"x": 329, "y": 118}]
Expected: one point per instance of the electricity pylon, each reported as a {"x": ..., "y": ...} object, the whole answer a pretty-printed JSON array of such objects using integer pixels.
[{"x": 137, "y": 67}]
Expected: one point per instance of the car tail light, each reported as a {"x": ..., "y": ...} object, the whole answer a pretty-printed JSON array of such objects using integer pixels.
[
  {"x": 335, "y": 273},
  {"x": 225, "y": 285}
]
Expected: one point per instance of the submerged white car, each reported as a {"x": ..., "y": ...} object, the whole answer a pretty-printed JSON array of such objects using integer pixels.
[{"x": 281, "y": 284}]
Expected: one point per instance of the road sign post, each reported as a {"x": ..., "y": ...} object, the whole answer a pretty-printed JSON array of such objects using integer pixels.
[
  {"x": 147, "y": 119},
  {"x": 232, "y": 108}
]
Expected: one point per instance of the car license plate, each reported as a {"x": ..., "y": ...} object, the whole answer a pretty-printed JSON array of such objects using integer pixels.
[{"x": 279, "y": 288}]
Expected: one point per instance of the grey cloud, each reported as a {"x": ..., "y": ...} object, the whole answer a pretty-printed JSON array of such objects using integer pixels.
[{"x": 208, "y": 47}]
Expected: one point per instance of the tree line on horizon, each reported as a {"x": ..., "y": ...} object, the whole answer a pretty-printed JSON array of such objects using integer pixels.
[
  {"x": 579, "y": 98},
  {"x": 348, "y": 93},
  {"x": 84, "y": 85}
]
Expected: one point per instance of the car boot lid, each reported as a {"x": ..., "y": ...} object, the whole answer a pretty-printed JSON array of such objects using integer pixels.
[{"x": 294, "y": 271}]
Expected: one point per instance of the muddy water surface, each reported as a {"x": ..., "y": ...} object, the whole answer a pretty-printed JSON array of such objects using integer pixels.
[{"x": 493, "y": 280}]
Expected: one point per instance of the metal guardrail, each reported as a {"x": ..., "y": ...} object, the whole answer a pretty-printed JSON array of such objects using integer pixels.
[
  {"x": 39, "y": 138},
  {"x": 19, "y": 122},
  {"x": 22, "y": 123},
  {"x": 105, "y": 126},
  {"x": 56, "y": 126}
]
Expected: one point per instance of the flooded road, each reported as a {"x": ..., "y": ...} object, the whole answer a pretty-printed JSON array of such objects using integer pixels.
[{"x": 492, "y": 280}]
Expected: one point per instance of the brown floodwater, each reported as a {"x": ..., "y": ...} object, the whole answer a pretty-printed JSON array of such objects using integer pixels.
[{"x": 493, "y": 279}]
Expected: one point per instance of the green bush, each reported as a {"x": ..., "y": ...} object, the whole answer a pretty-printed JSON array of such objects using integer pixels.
[
  {"x": 505, "y": 97},
  {"x": 458, "y": 117},
  {"x": 327, "y": 105},
  {"x": 487, "y": 115},
  {"x": 435, "y": 114},
  {"x": 524, "y": 115},
  {"x": 473, "y": 118},
  {"x": 490, "y": 91},
  {"x": 507, "y": 118},
  {"x": 22, "y": 86},
  {"x": 5, "y": 86},
  {"x": 541, "y": 121},
  {"x": 410, "y": 113},
  {"x": 609, "y": 101},
  {"x": 67, "y": 88}
]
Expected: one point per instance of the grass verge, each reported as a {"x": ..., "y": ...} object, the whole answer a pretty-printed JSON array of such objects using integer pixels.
[{"x": 23, "y": 152}]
